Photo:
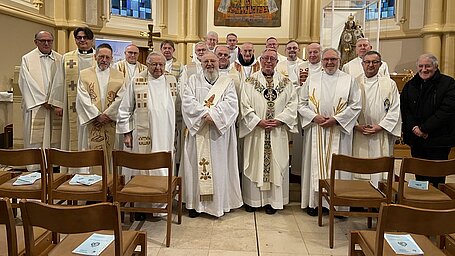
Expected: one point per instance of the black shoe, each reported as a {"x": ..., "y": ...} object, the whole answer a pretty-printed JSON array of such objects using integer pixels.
[
  {"x": 250, "y": 208},
  {"x": 312, "y": 211},
  {"x": 269, "y": 209},
  {"x": 192, "y": 213},
  {"x": 139, "y": 216}
]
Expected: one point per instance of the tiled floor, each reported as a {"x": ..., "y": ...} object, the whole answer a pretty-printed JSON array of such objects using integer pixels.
[{"x": 239, "y": 233}]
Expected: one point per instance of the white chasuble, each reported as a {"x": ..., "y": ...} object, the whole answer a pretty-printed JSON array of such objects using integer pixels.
[
  {"x": 99, "y": 92},
  {"x": 223, "y": 144},
  {"x": 147, "y": 111},
  {"x": 42, "y": 128},
  {"x": 380, "y": 106},
  {"x": 266, "y": 153},
  {"x": 290, "y": 69},
  {"x": 334, "y": 95},
  {"x": 129, "y": 70},
  {"x": 63, "y": 95}
]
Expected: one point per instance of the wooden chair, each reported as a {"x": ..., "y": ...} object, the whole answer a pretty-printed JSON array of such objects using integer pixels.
[
  {"x": 149, "y": 189},
  {"x": 77, "y": 159},
  {"x": 432, "y": 198},
  {"x": 12, "y": 236},
  {"x": 354, "y": 193},
  {"x": 419, "y": 222},
  {"x": 79, "y": 222},
  {"x": 23, "y": 157}
]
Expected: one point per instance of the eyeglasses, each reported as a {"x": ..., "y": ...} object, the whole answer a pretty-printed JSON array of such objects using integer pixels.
[
  {"x": 271, "y": 59},
  {"x": 43, "y": 41},
  {"x": 374, "y": 62},
  {"x": 292, "y": 48},
  {"x": 79, "y": 38},
  {"x": 330, "y": 59}
]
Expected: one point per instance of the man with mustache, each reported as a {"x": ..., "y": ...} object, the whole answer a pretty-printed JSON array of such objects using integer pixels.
[
  {"x": 209, "y": 158},
  {"x": 428, "y": 110},
  {"x": 290, "y": 68},
  {"x": 268, "y": 113},
  {"x": 329, "y": 106},
  {"x": 379, "y": 122},
  {"x": 99, "y": 93}
]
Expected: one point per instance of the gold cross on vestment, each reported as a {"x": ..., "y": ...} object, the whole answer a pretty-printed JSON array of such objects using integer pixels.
[
  {"x": 209, "y": 101},
  {"x": 71, "y": 63},
  {"x": 204, "y": 163}
]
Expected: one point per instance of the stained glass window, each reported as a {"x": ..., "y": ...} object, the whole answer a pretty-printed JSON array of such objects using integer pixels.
[
  {"x": 141, "y": 9},
  {"x": 387, "y": 10}
]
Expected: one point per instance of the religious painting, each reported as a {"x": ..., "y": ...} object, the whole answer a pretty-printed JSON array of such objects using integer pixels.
[{"x": 248, "y": 13}]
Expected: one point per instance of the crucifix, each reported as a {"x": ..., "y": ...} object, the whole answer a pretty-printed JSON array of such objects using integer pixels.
[{"x": 151, "y": 35}]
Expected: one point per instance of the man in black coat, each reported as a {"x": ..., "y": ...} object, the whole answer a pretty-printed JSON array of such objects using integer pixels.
[{"x": 428, "y": 111}]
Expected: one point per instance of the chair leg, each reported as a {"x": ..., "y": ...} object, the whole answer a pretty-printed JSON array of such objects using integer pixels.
[
  {"x": 169, "y": 223},
  {"x": 320, "y": 204},
  {"x": 352, "y": 242},
  {"x": 331, "y": 224},
  {"x": 370, "y": 219},
  {"x": 180, "y": 206}
]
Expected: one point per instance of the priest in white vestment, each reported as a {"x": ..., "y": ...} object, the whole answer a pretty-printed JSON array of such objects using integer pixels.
[
  {"x": 146, "y": 116},
  {"x": 329, "y": 106},
  {"x": 379, "y": 122},
  {"x": 272, "y": 42},
  {"x": 99, "y": 92},
  {"x": 246, "y": 64},
  {"x": 210, "y": 173},
  {"x": 173, "y": 66},
  {"x": 290, "y": 68},
  {"x": 41, "y": 126},
  {"x": 195, "y": 66},
  {"x": 355, "y": 68},
  {"x": 234, "y": 50},
  {"x": 64, "y": 91},
  {"x": 130, "y": 66},
  {"x": 269, "y": 112}
]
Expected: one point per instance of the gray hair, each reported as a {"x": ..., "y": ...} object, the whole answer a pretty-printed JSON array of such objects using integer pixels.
[
  {"x": 331, "y": 49},
  {"x": 212, "y": 33},
  {"x": 431, "y": 57},
  {"x": 159, "y": 54}
]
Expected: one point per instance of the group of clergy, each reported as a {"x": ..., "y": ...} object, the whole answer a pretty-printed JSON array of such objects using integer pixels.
[{"x": 226, "y": 116}]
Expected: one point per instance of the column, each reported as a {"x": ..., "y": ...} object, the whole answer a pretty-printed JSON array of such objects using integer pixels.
[
  {"x": 447, "y": 62},
  {"x": 304, "y": 21},
  {"x": 192, "y": 20},
  {"x": 164, "y": 17},
  {"x": 316, "y": 20},
  {"x": 432, "y": 27},
  {"x": 76, "y": 12}
]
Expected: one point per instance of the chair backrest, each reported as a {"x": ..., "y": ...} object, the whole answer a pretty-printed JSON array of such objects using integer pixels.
[
  {"x": 402, "y": 218},
  {"x": 7, "y": 219},
  {"x": 76, "y": 159},
  {"x": 363, "y": 166},
  {"x": 432, "y": 168},
  {"x": 142, "y": 161},
  {"x": 23, "y": 157},
  {"x": 71, "y": 220}
]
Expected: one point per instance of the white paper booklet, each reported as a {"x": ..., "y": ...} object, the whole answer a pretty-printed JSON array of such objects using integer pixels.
[
  {"x": 27, "y": 179},
  {"x": 87, "y": 180},
  {"x": 423, "y": 185},
  {"x": 403, "y": 244},
  {"x": 94, "y": 245}
]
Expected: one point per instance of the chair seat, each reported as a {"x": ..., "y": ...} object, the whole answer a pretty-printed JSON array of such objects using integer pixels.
[
  {"x": 147, "y": 185},
  {"x": 4, "y": 176},
  {"x": 356, "y": 189},
  {"x": 8, "y": 186},
  {"x": 70, "y": 242},
  {"x": 450, "y": 185},
  {"x": 66, "y": 187},
  {"x": 432, "y": 194},
  {"x": 424, "y": 243},
  {"x": 39, "y": 234}
]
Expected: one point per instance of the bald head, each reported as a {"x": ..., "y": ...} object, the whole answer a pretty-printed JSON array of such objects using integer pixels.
[
  {"x": 313, "y": 53},
  {"x": 44, "y": 40}
]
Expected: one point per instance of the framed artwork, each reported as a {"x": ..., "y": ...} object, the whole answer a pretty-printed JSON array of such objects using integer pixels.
[{"x": 248, "y": 13}]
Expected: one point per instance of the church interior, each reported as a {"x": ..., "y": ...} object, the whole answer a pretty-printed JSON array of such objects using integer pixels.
[{"x": 412, "y": 28}]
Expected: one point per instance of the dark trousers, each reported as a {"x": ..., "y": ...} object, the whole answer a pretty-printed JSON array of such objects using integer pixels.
[{"x": 418, "y": 151}]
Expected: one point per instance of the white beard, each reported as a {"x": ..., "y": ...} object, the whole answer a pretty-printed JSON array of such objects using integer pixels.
[{"x": 211, "y": 76}]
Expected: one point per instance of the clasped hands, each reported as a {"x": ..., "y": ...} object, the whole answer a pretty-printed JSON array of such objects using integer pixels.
[
  {"x": 368, "y": 129},
  {"x": 416, "y": 130},
  {"x": 325, "y": 121},
  {"x": 101, "y": 120},
  {"x": 269, "y": 124}
]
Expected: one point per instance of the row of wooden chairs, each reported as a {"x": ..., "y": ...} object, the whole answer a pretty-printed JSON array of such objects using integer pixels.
[
  {"x": 43, "y": 224},
  {"x": 360, "y": 194},
  {"x": 55, "y": 186}
]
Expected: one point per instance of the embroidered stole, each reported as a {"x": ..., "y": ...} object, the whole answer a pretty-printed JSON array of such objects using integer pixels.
[
  {"x": 71, "y": 66},
  {"x": 203, "y": 142},
  {"x": 101, "y": 137},
  {"x": 142, "y": 117},
  {"x": 122, "y": 67},
  {"x": 40, "y": 113},
  {"x": 327, "y": 140}
]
